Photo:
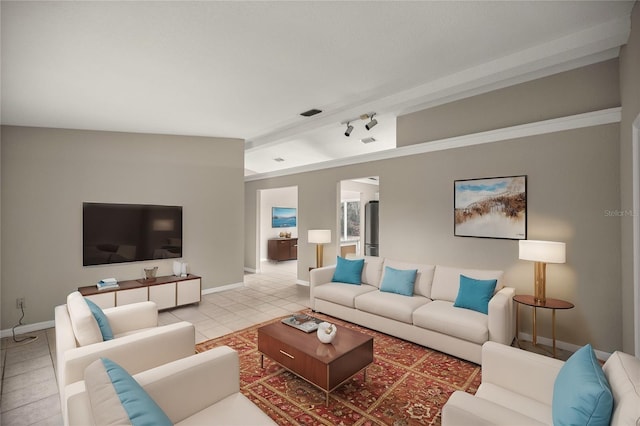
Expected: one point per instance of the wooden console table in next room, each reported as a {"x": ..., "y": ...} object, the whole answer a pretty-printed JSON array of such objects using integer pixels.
[{"x": 552, "y": 304}]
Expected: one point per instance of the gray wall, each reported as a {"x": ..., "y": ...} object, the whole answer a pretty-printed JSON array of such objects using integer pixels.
[
  {"x": 48, "y": 173},
  {"x": 585, "y": 89},
  {"x": 573, "y": 178},
  {"x": 630, "y": 97}
]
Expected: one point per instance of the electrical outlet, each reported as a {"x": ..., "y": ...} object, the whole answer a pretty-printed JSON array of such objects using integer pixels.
[{"x": 20, "y": 303}]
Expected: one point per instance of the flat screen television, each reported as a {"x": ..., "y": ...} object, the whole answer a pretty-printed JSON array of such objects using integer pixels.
[
  {"x": 118, "y": 233},
  {"x": 283, "y": 217}
]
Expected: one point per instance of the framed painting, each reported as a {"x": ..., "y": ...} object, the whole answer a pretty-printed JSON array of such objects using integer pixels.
[
  {"x": 283, "y": 217},
  {"x": 491, "y": 208}
]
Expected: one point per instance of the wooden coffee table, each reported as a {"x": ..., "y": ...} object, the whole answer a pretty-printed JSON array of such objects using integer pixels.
[{"x": 325, "y": 365}]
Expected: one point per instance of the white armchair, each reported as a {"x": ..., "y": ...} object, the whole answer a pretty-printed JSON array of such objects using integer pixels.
[
  {"x": 202, "y": 389},
  {"x": 517, "y": 389},
  {"x": 138, "y": 343}
]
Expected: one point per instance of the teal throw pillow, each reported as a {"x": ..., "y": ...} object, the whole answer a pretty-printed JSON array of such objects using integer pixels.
[
  {"x": 348, "y": 271},
  {"x": 101, "y": 319},
  {"x": 475, "y": 294},
  {"x": 141, "y": 409},
  {"x": 581, "y": 392},
  {"x": 399, "y": 281}
]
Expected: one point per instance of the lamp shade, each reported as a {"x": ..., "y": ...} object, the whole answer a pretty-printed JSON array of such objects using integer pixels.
[
  {"x": 319, "y": 236},
  {"x": 542, "y": 251}
]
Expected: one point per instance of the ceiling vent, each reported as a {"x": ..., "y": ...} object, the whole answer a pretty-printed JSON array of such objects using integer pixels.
[
  {"x": 311, "y": 112},
  {"x": 278, "y": 159},
  {"x": 368, "y": 140}
]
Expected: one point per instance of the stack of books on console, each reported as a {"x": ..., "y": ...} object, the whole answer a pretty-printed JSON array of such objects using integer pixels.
[{"x": 107, "y": 284}]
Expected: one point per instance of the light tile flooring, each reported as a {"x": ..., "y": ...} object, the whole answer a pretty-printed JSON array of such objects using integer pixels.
[{"x": 29, "y": 388}]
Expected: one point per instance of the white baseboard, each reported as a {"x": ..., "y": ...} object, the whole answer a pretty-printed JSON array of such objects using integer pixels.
[
  {"x": 28, "y": 328},
  {"x": 302, "y": 282},
  {"x": 601, "y": 355},
  {"x": 251, "y": 270},
  {"x": 221, "y": 288}
]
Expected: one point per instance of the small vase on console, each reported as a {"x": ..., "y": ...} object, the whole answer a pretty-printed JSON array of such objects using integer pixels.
[
  {"x": 177, "y": 268},
  {"x": 326, "y": 332}
]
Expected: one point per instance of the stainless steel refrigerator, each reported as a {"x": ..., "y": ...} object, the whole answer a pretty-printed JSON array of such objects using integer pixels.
[{"x": 371, "y": 228}]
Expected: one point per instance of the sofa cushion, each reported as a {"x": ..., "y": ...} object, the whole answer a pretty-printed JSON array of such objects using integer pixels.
[
  {"x": 85, "y": 327},
  {"x": 443, "y": 317},
  {"x": 116, "y": 397},
  {"x": 623, "y": 373},
  {"x": 348, "y": 271},
  {"x": 340, "y": 293},
  {"x": 475, "y": 294},
  {"x": 390, "y": 305},
  {"x": 399, "y": 281},
  {"x": 372, "y": 269},
  {"x": 101, "y": 319},
  {"x": 424, "y": 277},
  {"x": 446, "y": 281},
  {"x": 581, "y": 392}
]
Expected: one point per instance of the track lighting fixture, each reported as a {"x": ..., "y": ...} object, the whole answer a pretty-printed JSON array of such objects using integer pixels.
[
  {"x": 347, "y": 132},
  {"x": 371, "y": 123}
]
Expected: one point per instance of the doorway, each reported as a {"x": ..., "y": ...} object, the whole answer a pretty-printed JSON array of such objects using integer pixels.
[
  {"x": 358, "y": 229},
  {"x": 277, "y": 223}
]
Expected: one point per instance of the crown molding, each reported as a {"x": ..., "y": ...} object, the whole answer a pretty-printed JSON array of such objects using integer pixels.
[{"x": 578, "y": 121}]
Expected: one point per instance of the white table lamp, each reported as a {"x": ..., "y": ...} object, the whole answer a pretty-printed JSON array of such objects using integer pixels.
[
  {"x": 319, "y": 237},
  {"x": 541, "y": 252}
]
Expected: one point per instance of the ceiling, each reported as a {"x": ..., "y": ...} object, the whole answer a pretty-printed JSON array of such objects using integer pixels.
[{"x": 247, "y": 69}]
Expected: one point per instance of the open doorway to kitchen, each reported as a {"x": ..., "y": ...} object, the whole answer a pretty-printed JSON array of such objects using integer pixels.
[
  {"x": 358, "y": 216},
  {"x": 278, "y": 228}
]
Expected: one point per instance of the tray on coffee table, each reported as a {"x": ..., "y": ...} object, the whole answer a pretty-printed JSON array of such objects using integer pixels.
[{"x": 302, "y": 322}]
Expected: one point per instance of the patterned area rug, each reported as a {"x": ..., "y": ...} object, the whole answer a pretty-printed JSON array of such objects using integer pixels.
[{"x": 406, "y": 385}]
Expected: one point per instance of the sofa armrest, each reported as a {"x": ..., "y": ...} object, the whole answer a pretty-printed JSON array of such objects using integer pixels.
[
  {"x": 181, "y": 388},
  {"x": 463, "y": 409},
  {"x": 509, "y": 367},
  {"x": 135, "y": 352},
  {"x": 319, "y": 276},
  {"x": 65, "y": 339},
  {"x": 189, "y": 385},
  {"x": 77, "y": 405},
  {"x": 136, "y": 316},
  {"x": 501, "y": 321}
]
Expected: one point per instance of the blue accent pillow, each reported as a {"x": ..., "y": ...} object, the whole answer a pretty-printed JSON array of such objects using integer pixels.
[
  {"x": 581, "y": 392},
  {"x": 101, "y": 319},
  {"x": 475, "y": 294},
  {"x": 141, "y": 409},
  {"x": 399, "y": 281},
  {"x": 348, "y": 271}
]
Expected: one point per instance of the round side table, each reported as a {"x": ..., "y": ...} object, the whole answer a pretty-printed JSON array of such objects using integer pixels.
[{"x": 552, "y": 304}]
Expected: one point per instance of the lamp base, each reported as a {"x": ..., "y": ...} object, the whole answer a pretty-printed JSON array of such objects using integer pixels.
[
  {"x": 540, "y": 280},
  {"x": 319, "y": 256}
]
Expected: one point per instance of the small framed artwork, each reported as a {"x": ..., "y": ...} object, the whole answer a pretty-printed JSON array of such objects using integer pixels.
[
  {"x": 491, "y": 208},
  {"x": 283, "y": 217}
]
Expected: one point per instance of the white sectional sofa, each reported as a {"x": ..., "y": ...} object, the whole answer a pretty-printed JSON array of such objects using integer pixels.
[
  {"x": 202, "y": 389},
  {"x": 428, "y": 317}
]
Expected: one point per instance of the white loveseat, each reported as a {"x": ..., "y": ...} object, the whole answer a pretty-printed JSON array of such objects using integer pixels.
[
  {"x": 138, "y": 344},
  {"x": 428, "y": 317},
  {"x": 202, "y": 389},
  {"x": 518, "y": 389}
]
